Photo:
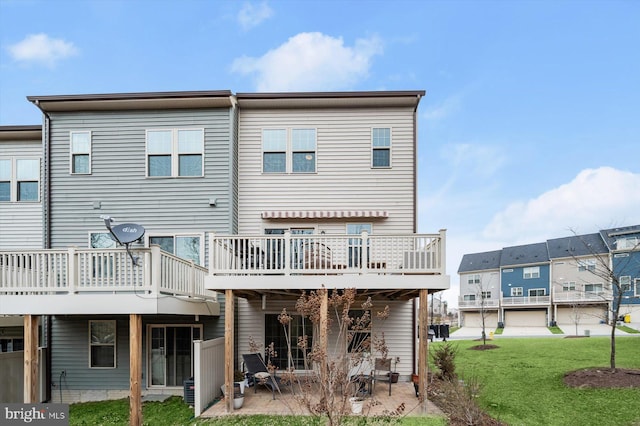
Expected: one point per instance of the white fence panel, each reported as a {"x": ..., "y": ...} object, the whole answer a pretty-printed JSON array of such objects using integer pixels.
[{"x": 209, "y": 372}]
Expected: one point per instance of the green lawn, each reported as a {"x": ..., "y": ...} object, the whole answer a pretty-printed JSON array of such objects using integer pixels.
[
  {"x": 522, "y": 381},
  {"x": 522, "y": 385}
]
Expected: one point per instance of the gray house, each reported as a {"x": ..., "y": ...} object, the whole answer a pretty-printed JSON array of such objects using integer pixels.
[{"x": 162, "y": 161}]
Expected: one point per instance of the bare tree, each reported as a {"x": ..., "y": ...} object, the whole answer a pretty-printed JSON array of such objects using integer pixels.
[
  {"x": 576, "y": 315},
  {"x": 483, "y": 293},
  {"x": 606, "y": 270}
]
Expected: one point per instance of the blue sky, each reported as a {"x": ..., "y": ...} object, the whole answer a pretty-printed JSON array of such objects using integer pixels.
[{"x": 530, "y": 128}]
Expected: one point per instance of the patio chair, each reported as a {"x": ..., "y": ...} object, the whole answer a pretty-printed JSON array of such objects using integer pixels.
[
  {"x": 258, "y": 373},
  {"x": 361, "y": 376},
  {"x": 382, "y": 372}
]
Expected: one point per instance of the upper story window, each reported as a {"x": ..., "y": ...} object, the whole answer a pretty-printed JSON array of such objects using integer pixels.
[
  {"x": 80, "y": 153},
  {"x": 516, "y": 291},
  {"x": 175, "y": 152},
  {"x": 381, "y": 147},
  {"x": 593, "y": 288},
  {"x": 289, "y": 151},
  {"x": 569, "y": 286},
  {"x": 469, "y": 297},
  {"x": 19, "y": 179},
  {"x": 537, "y": 292},
  {"x": 636, "y": 285},
  {"x": 486, "y": 295},
  {"x": 587, "y": 265},
  {"x": 531, "y": 272},
  {"x": 184, "y": 246},
  {"x": 473, "y": 279},
  {"x": 625, "y": 283}
]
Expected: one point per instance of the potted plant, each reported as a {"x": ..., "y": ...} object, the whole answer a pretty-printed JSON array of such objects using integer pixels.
[
  {"x": 394, "y": 375},
  {"x": 357, "y": 402},
  {"x": 240, "y": 379}
]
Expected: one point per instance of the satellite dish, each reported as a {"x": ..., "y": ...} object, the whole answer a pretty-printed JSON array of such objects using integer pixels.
[{"x": 127, "y": 233}]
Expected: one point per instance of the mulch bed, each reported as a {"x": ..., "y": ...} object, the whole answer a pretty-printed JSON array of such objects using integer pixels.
[
  {"x": 483, "y": 347},
  {"x": 603, "y": 378}
]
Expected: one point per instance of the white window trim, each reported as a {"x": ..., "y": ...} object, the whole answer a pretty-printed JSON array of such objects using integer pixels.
[
  {"x": 636, "y": 287},
  {"x": 594, "y": 285},
  {"x": 587, "y": 265},
  {"x": 115, "y": 345},
  {"x": 517, "y": 290},
  {"x": 569, "y": 286},
  {"x": 175, "y": 235},
  {"x": 625, "y": 283},
  {"x": 13, "y": 178},
  {"x": 71, "y": 152},
  {"x": 474, "y": 279},
  {"x": 544, "y": 291},
  {"x": 389, "y": 148},
  {"x": 289, "y": 151},
  {"x": 532, "y": 271},
  {"x": 175, "y": 154}
]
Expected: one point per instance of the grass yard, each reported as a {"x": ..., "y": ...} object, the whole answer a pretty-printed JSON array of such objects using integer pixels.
[{"x": 522, "y": 381}]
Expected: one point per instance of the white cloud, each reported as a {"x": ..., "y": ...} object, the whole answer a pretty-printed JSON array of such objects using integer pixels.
[
  {"x": 252, "y": 15},
  {"x": 595, "y": 199},
  {"x": 311, "y": 61},
  {"x": 480, "y": 160},
  {"x": 440, "y": 112},
  {"x": 42, "y": 49}
]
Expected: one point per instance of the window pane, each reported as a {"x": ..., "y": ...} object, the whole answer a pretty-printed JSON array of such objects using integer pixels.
[
  {"x": 159, "y": 165},
  {"x": 274, "y": 140},
  {"x": 188, "y": 248},
  {"x": 304, "y": 162},
  {"x": 80, "y": 142},
  {"x": 303, "y": 139},
  {"x": 80, "y": 163},
  {"x": 381, "y": 158},
  {"x": 27, "y": 191},
  {"x": 165, "y": 243},
  {"x": 5, "y": 169},
  {"x": 382, "y": 137},
  {"x": 274, "y": 162},
  {"x": 159, "y": 142},
  {"x": 190, "y": 165},
  {"x": 28, "y": 169},
  {"x": 102, "y": 356},
  {"x": 5, "y": 191},
  {"x": 190, "y": 141}
]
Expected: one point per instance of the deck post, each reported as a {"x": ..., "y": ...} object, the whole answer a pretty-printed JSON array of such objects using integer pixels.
[
  {"x": 135, "y": 369},
  {"x": 30, "y": 359},
  {"x": 228, "y": 349},
  {"x": 423, "y": 348}
]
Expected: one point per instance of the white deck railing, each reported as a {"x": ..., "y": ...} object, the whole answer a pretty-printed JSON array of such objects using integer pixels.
[
  {"x": 100, "y": 270},
  {"x": 575, "y": 296},
  {"x": 488, "y": 303},
  {"x": 311, "y": 254},
  {"x": 526, "y": 300}
]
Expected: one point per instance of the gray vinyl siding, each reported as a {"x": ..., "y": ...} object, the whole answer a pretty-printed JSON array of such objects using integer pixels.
[
  {"x": 70, "y": 349},
  {"x": 344, "y": 178},
  {"x": 118, "y": 175},
  {"x": 21, "y": 222}
]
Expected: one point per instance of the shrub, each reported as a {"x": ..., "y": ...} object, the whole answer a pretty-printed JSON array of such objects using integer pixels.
[{"x": 444, "y": 358}]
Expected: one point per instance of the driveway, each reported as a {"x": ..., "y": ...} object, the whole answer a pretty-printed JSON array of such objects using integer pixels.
[
  {"x": 594, "y": 330},
  {"x": 526, "y": 331}
]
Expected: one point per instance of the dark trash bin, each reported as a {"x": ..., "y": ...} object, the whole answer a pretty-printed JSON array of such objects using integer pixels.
[
  {"x": 189, "y": 391},
  {"x": 444, "y": 331},
  {"x": 436, "y": 330}
]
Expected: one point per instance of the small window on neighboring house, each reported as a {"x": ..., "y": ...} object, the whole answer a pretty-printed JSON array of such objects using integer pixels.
[
  {"x": 486, "y": 295},
  {"x": 175, "y": 153},
  {"x": 587, "y": 265},
  {"x": 469, "y": 297},
  {"x": 569, "y": 286},
  {"x": 532, "y": 272},
  {"x": 5, "y": 180},
  {"x": 184, "y": 246},
  {"x": 474, "y": 279},
  {"x": 80, "y": 152},
  {"x": 274, "y": 151},
  {"x": 537, "y": 292},
  {"x": 516, "y": 291},
  {"x": 593, "y": 288},
  {"x": 381, "y": 147},
  {"x": 102, "y": 344},
  {"x": 625, "y": 283}
]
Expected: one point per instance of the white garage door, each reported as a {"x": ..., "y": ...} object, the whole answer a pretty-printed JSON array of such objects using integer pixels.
[
  {"x": 474, "y": 319},
  {"x": 525, "y": 318},
  {"x": 584, "y": 315}
]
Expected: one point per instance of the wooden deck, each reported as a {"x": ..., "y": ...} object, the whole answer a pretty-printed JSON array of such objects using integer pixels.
[{"x": 262, "y": 402}]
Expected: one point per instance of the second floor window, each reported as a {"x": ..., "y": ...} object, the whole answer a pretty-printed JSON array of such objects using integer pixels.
[
  {"x": 19, "y": 179},
  {"x": 516, "y": 291},
  {"x": 636, "y": 284},
  {"x": 593, "y": 288},
  {"x": 529, "y": 273},
  {"x": 569, "y": 286},
  {"x": 184, "y": 246},
  {"x": 537, "y": 292},
  {"x": 289, "y": 151},
  {"x": 175, "y": 152},
  {"x": 625, "y": 283},
  {"x": 474, "y": 279},
  {"x": 587, "y": 265},
  {"x": 80, "y": 153},
  {"x": 381, "y": 147}
]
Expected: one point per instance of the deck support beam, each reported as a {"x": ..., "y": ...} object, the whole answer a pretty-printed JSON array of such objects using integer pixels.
[
  {"x": 423, "y": 348},
  {"x": 30, "y": 359},
  {"x": 135, "y": 369},
  {"x": 228, "y": 349}
]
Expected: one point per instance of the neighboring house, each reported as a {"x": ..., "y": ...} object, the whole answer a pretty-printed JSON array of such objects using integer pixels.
[
  {"x": 580, "y": 294},
  {"x": 20, "y": 226},
  {"x": 165, "y": 161},
  {"x": 327, "y": 198},
  {"x": 479, "y": 289},
  {"x": 562, "y": 281},
  {"x": 624, "y": 244}
]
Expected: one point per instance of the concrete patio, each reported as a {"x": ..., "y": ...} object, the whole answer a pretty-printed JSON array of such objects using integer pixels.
[{"x": 262, "y": 402}]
